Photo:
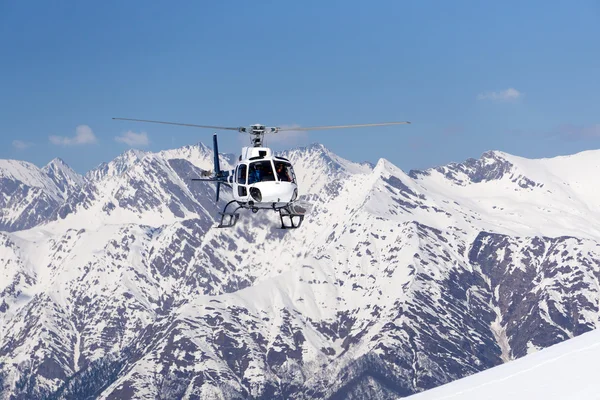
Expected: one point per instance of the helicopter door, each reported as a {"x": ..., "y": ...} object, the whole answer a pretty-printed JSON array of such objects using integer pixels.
[{"x": 242, "y": 172}]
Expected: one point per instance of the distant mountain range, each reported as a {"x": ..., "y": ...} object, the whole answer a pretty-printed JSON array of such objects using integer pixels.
[{"x": 117, "y": 285}]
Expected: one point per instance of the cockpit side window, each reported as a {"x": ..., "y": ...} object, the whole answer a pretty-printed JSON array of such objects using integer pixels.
[
  {"x": 260, "y": 171},
  {"x": 285, "y": 172},
  {"x": 241, "y": 174}
]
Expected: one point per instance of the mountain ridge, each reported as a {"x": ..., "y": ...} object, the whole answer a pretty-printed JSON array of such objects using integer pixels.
[{"x": 393, "y": 284}]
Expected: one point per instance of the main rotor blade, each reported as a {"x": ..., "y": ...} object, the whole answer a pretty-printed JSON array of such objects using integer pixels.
[
  {"x": 317, "y": 128},
  {"x": 228, "y": 128}
]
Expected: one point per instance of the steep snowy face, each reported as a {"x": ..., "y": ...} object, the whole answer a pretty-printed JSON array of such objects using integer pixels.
[
  {"x": 117, "y": 166},
  {"x": 16, "y": 280},
  {"x": 394, "y": 284},
  {"x": 513, "y": 195},
  {"x": 316, "y": 167},
  {"x": 491, "y": 166},
  {"x": 546, "y": 289},
  {"x": 201, "y": 156},
  {"x": 27, "y": 195},
  {"x": 67, "y": 180},
  {"x": 143, "y": 187},
  {"x": 152, "y": 191}
]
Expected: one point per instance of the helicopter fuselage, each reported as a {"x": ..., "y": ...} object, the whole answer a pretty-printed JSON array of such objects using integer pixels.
[{"x": 262, "y": 179}]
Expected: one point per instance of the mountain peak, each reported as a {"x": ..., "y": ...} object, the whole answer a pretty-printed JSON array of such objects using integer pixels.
[
  {"x": 492, "y": 165},
  {"x": 318, "y": 146},
  {"x": 134, "y": 153},
  {"x": 120, "y": 164},
  {"x": 63, "y": 176},
  {"x": 202, "y": 146},
  {"x": 199, "y": 155},
  {"x": 56, "y": 161}
]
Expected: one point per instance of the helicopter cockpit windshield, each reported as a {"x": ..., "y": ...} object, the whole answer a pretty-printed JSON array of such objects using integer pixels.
[
  {"x": 260, "y": 171},
  {"x": 284, "y": 171}
]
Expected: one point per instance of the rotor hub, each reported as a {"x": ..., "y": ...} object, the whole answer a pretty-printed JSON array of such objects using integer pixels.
[{"x": 257, "y": 133}]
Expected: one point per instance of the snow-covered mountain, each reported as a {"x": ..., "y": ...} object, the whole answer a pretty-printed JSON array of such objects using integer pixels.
[
  {"x": 395, "y": 283},
  {"x": 29, "y": 195},
  {"x": 67, "y": 180},
  {"x": 116, "y": 167}
]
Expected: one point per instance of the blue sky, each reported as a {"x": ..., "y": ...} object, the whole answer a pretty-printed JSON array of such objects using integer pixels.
[{"x": 520, "y": 77}]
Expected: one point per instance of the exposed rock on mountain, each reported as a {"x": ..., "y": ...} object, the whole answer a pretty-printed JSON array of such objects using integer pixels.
[{"x": 396, "y": 283}]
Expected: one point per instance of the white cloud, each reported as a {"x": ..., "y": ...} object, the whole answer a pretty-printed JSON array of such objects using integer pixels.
[
  {"x": 21, "y": 145},
  {"x": 575, "y": 132},
  {"x": 133, "y": 139},
  {"x": 287, "y": 138},
  {"x": 510, "y": 94},
  {"x": 83, "y": 135}
]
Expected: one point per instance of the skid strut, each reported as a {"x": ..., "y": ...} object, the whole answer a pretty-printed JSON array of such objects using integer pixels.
[
  {"x": 293, "y": 220},
  {"x": 229, "y": 219}
]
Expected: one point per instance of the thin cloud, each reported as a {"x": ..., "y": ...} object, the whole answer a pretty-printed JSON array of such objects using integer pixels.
[
  {"x": 508, "y": 95},
  {"x": 418, "y": 143},
  {"x": 288, "y": 137},
  {"x": 133, "y": 139},
  {"x": 21, "y": 145},
  {"x": 83, "y": 135},
  {"x": 577, "y": 132},
  {"x": 452, "y": 130}
]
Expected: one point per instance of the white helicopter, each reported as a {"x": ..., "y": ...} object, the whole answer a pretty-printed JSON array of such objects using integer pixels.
[{"x": 260, "y": 180}]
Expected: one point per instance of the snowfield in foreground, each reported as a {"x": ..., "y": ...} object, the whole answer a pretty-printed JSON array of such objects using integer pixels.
[{"x": 568, "y": 370}]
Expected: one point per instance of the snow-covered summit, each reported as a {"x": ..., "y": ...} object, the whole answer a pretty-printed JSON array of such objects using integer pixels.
[
  {"x": 513, "y": 194},
  {"x": 117, "y": 166},
  {"x": 27, "y": 174},
  {"x": 28, "y": 195},
  {"x": 199, "y": 155},
  {"x": 316, "y": 166},
  {"x": 63, "y": 176}
]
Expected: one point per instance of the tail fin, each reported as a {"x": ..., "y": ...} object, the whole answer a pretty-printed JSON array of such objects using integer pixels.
[
  {"x": 217, "y": 168},
  {"x": 218, "y": 177}
]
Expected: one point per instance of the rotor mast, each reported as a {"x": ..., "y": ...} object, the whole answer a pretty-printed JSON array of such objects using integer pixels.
[{"x": 257, "y": 133}]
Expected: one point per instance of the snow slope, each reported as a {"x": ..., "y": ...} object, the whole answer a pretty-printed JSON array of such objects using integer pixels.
[
  {"x": 514, "y": 195},
  {"x": 63, "y": 177},
  {"x": 29, "y": 195},
  {"x": 566, "y": 370}
]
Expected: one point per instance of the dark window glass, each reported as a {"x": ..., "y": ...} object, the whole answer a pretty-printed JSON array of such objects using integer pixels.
[
  {"x": 285, "y": 172},
  {"x": 260, "y": 171},
  {"x": 241, "y": 175},
  {"x": 242, "y": 191}
]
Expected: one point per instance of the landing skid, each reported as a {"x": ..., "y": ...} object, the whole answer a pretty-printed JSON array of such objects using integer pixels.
[
  {"x": 229, "y": 219},
  {"x": 294, "y": 220},
  {"x": 290, "y": 214}
]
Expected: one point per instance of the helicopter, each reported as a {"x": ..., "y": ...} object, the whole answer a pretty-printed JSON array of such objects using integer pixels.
[{"x": 260, "y": 180}]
